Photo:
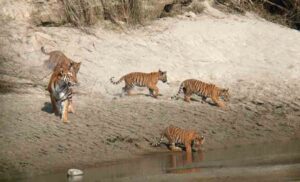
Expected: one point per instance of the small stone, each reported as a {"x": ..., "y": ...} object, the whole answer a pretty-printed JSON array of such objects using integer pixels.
[
  {"x": 259, "y": 124},
  {"x": 75, "y": 172},
  {"x": 248, "y": 108},
  {"x": 258, "y": 102}
]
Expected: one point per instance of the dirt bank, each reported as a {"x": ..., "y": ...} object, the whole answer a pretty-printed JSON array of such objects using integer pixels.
[{"x": 258, "y": 61}]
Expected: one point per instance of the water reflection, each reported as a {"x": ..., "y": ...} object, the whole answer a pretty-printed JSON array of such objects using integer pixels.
[
  {"x": 75, "y": 178},
  {"x": 182, "y": 163},
  {"x": 262, "y": 161}
]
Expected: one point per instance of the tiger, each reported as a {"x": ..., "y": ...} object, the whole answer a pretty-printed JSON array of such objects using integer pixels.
[
  {"x": 176, "y": 135},
  {"x": 59, "y": 60},
  {"x": 140, "y": 79},
  {"x": 60, "y": 89},
  {"x": 204, "y": 90}
]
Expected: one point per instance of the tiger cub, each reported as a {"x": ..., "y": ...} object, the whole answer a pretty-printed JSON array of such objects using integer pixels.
[
  {"x": 204, "y": 90},
  {"x": 177, "y": 135},
  {"x": 142, "y": 80},
  {"x": 60, "y": 89},
  {"x": 59, "y": 60}
]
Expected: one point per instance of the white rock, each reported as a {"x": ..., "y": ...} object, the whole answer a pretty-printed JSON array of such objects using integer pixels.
[
  {"x": 75, "y": 172},
  {"x": 190, "y": 14}
]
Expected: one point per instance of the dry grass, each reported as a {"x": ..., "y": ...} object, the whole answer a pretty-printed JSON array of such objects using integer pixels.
[
  {"x": 286, "y": 12},
  {"x": 88, "y": 12},
  {"x": 196, "y": 6},
  {"x": 82, "y": 12},
  {"x": 131, "y": 12}
]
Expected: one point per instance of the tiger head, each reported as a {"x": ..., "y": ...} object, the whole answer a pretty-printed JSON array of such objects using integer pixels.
[
  {"x": 162, "y": 76},
  {"x": 198, "y": 141},
  {"x": 224, "y": 93},
  {"x": 68, "y": 76}
]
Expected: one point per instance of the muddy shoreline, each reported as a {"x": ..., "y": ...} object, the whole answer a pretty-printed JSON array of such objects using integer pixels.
[{"x": 105, "y": 130}]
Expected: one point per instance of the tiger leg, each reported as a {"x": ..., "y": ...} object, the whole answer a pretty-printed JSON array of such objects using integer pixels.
[
  {"x": 64, "y": 113},
  {"x": 187, "y": 94},
  {"x": 187, "y": 98},
  {"x": 53, "y": 103},
  {"x": 71, "y": 108},
  {"x": 151, "y": 91},
  {"x": 155, "y": 90},
  {"x": 128, "y": 89},
  {"x": 174, "y": 148},
  {"x": 188, "y": 148},
  {"x": 203, "y": 99},
  {"x": 218, "y": 102}
]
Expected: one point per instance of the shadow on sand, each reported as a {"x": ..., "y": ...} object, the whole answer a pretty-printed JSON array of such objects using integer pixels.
[{"x": 47, "y": 108}]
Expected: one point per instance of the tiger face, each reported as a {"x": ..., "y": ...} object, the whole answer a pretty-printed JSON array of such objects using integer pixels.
[
  {"x": 69, "y": 77},
  {"x": 198, "y": 141},
  {"x": 162, "y": 76},
  {"x": 224, "y": 93}
]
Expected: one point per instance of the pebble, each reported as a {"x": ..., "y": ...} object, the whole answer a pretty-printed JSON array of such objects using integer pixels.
[{"x": 75, "y": 172}]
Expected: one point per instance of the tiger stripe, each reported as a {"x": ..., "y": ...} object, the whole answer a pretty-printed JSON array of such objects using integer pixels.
[
  {"x": 176, "y": 135},
  {"x": 202, "y": 89},
  {"x": 141, "y": 79},
  {"x": 61, "y": 93}
]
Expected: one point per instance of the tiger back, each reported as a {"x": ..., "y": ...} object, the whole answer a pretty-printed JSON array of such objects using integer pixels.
[
  {"x": 204, "y": 90},
  {"x": 141, "y": 79},
  {"x": 176, "y": 135}
]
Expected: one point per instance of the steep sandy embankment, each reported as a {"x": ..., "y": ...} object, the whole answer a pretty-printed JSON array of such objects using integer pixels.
[{"x": 258, "y": 61}]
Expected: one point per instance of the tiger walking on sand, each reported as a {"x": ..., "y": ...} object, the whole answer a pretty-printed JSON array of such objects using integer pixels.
[
  {"x": 204, "y": 90},
  {"x": 140, "y": 79}
]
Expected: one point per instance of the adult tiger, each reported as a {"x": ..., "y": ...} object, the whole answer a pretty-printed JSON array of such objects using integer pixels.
[
  {"x": 204, "y": 90},
  {"x": 60, "y": 89},
  {"x": 176, "y": 135},
  {"x": 58, "y": 60},
  {"x": 142, "y": 80}
]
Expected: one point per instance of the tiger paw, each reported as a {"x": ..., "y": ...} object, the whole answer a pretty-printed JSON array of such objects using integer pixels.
[{"x": 65, "y": 121}]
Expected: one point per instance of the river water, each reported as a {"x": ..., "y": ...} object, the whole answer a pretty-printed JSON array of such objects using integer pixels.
[{"x": 262, "y": 162}]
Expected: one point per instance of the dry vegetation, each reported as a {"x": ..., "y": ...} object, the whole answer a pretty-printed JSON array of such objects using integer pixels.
[
  {"x": 132, "y": 12},
  {"x": 286, "y": 12},
  {"x": 87, "y": 12}
]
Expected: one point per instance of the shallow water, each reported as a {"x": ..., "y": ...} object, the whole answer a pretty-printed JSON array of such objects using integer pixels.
[{"x": 263, "y": 162}]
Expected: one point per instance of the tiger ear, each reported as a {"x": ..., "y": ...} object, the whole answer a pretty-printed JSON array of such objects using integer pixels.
[
  {"x": 78, "y": 66},
  {"x": 159, "y": 71},
  {"x": 61, "y": 71}
]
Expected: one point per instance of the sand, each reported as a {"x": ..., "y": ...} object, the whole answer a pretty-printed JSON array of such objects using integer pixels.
[{"x": 257, "y": 60}]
